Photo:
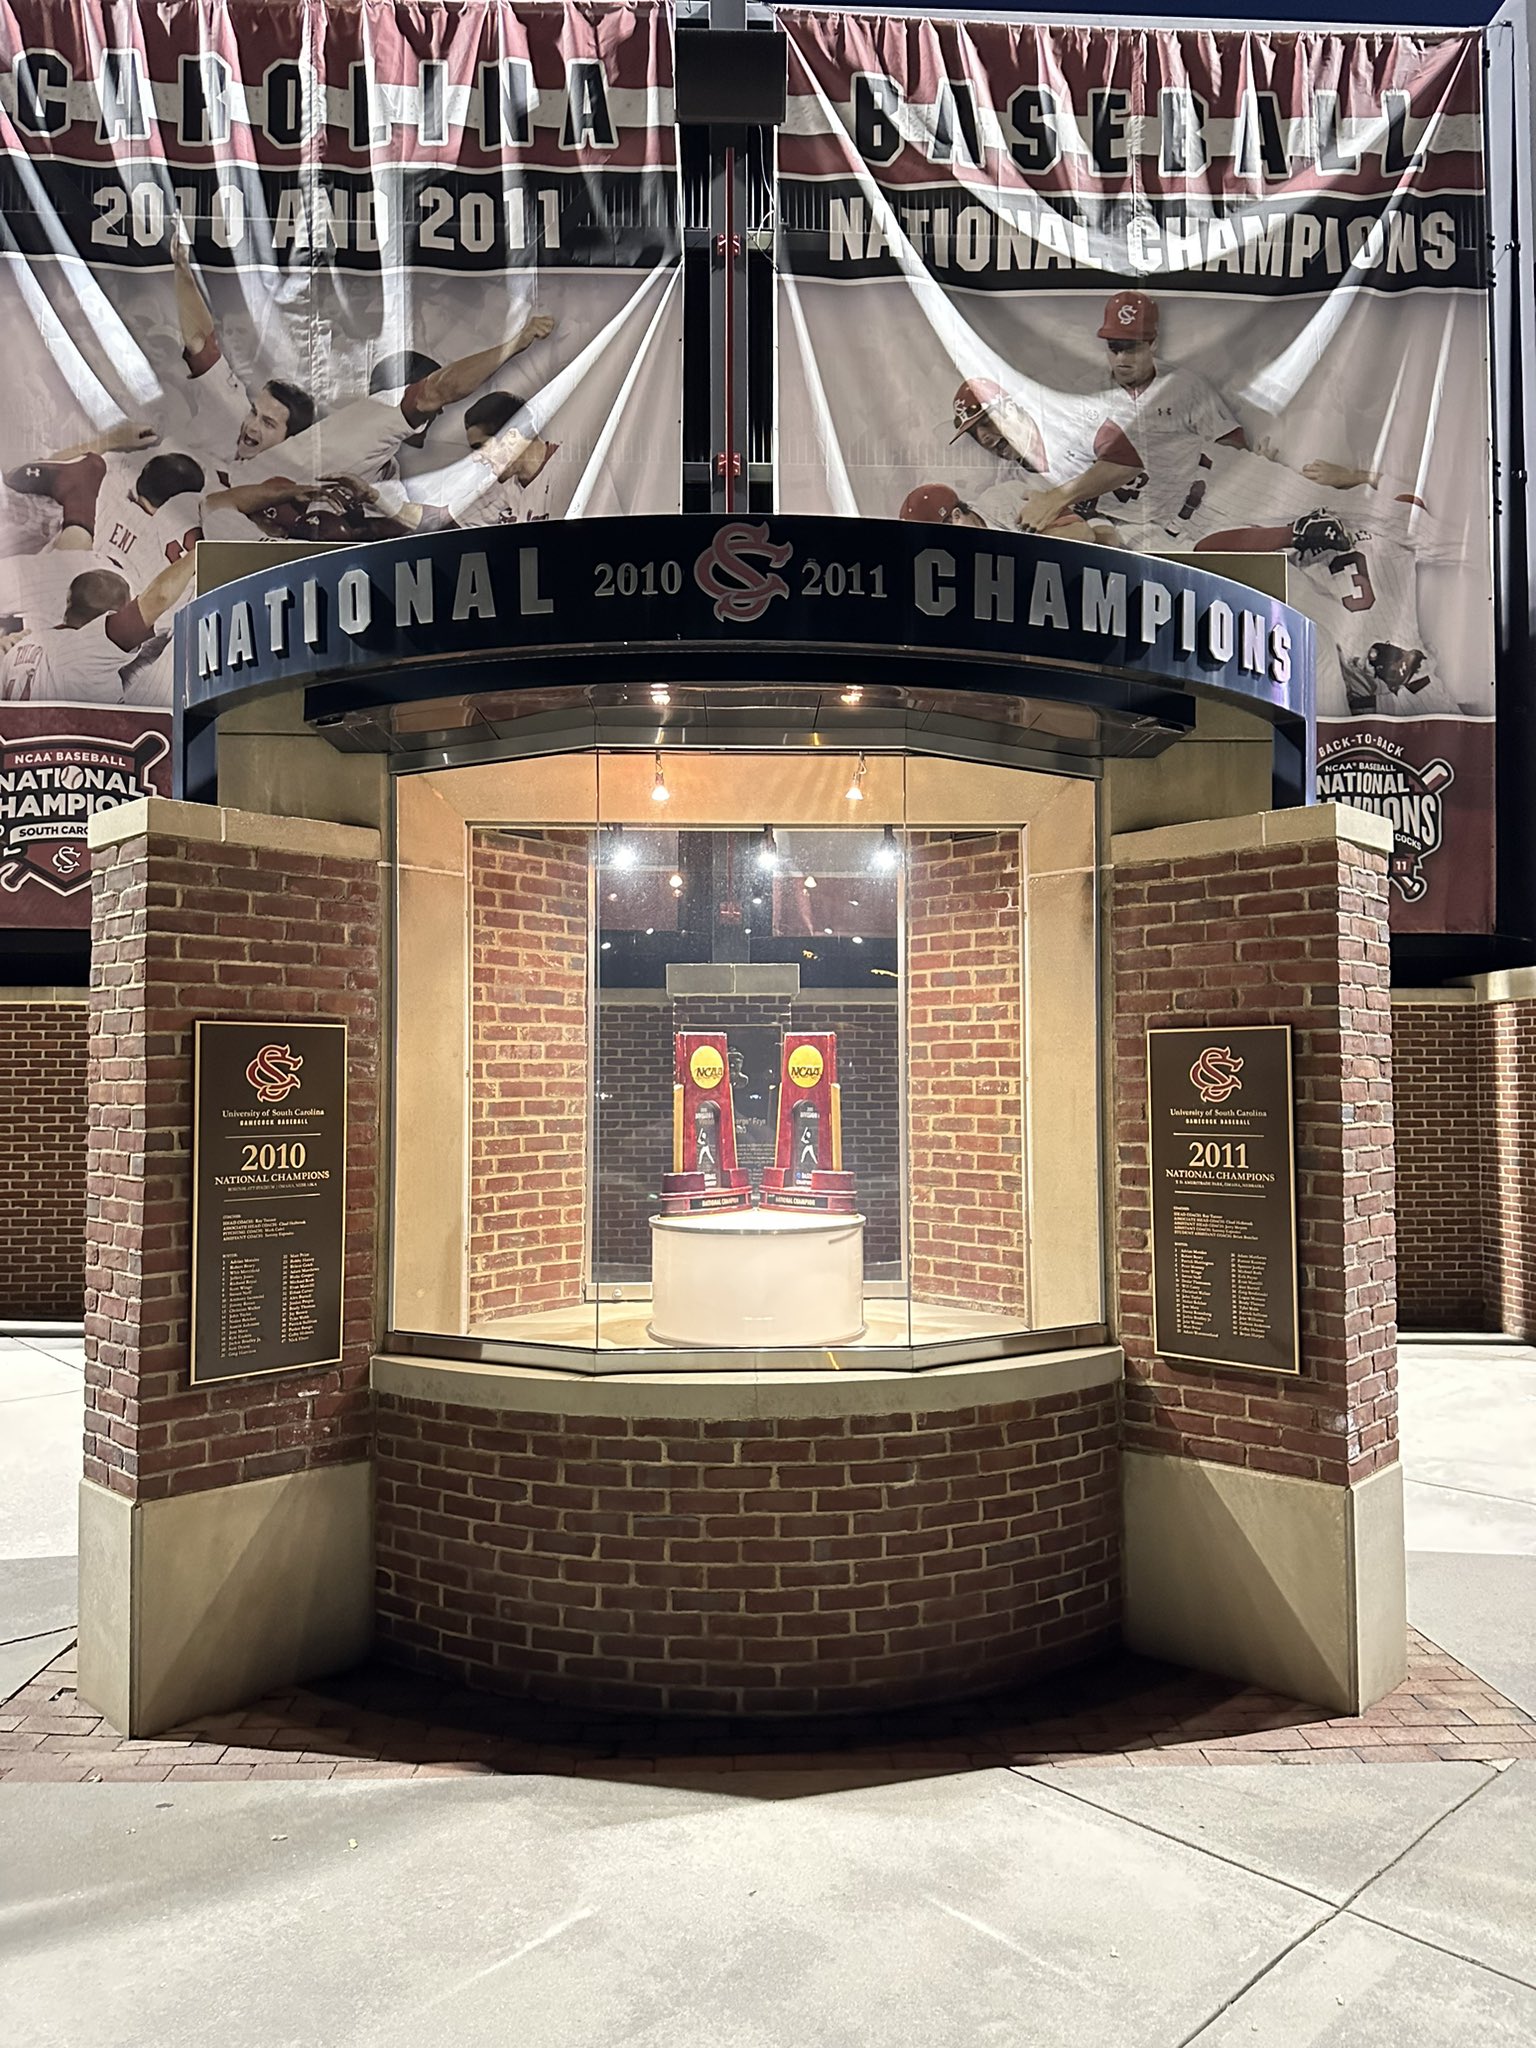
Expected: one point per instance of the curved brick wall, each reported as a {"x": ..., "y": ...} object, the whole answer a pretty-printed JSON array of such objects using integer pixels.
[{"x": 757, "y": 1566}]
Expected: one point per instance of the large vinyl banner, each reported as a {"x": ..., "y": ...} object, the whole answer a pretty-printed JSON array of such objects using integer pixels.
[
  {"x": 307, "y": 272},
  {"x": 1174, "y": 292}
]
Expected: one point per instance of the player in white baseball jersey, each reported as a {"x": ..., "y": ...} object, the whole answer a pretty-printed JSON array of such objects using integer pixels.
[
  {"x": 1372, "y": 655},
  {"x": 231, "y": 424},
  {"x": 1140, "y": 425},
  {"x": 505, "y": 480},
  {"x": 81, "y": 659},
  {"x": 278, "y": 433},
  {"x": 133, "y": 516}
]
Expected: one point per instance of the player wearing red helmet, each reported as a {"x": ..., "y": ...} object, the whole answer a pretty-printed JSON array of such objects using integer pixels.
[
  {"x": 999, "y": 424},
  {"x": 1000, "y": 508},
  {"x": 938, "y": 505}
]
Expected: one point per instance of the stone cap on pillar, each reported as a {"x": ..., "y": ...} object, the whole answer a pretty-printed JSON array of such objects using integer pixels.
[
  {"x": 167, "y": 819},
  {"x": 1305, "y": 826}
]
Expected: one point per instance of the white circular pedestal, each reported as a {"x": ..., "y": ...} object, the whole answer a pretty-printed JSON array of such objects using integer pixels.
[{"x": 757, "y": 1279}]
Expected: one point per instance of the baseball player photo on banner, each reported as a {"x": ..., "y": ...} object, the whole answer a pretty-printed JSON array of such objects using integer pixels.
[
  {"x": 301, "y": 272},
  {"x": 1179, "y": 292}
]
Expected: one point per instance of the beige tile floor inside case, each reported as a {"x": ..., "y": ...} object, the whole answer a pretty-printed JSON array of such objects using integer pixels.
[{"x": 624, "y": 1325}]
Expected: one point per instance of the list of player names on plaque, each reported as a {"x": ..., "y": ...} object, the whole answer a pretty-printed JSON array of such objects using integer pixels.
[
  {"x": 1223, "y": 1196},
  {"x": 269, "y": 1203}
]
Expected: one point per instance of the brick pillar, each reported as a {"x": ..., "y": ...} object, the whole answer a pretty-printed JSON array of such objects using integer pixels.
[
  {"x": 529, "y": 915},
  {"x": 1466, "y": 1196},
  {"x": 42, "y": 1162},
  {"x": 1443, "y": 1086},
  {"x": 1264, "y": 1512},
  {"x": 1509, "y": 1177},
  {"x": 224, "y": 1529}
]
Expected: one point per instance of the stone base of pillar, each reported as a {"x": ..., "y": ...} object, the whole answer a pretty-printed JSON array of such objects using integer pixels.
[
  {"x": 204, "y": 1601},
  {"x": 1292, "y": 1584}
]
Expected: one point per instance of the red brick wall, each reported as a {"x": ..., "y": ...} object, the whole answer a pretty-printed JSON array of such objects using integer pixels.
[
  {"x": 965, "y": 1054},
  {"x": 1443, "y": 1085},
  {"x": 754, "y": 1567},
  {"x": 234, "y": 931},
  {"x": 529, "y": 1071},
  {"x": 869, "y": 1075},
  {"x": 42, "y": 1159},
  {"x": 1286, "y": 934}
]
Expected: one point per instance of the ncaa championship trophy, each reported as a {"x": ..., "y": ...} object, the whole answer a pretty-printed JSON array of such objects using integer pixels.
[
  {"x": 704, "y": 1171},
  {"x": 807, "y": 1172}
]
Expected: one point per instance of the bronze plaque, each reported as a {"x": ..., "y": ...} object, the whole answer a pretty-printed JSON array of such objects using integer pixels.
[
  {"x": 269, "y": 1197},
  {"x": 1223, "y": 1160}
]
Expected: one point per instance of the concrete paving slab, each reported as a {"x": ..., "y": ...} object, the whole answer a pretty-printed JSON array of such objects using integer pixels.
[
  {"x": 1471, "y": 1885},
  {"x": 1482, "y": 1611},
  {"x": 36, "y": 1594},
  {"x": 41, "y": 1439},
  {"x": 1447, "y": 1395},
  {"x": 20, "y": 1662},
  {"x": 1328, "y": 1832},
  {"x": 965, "y": 1911},
  {"x": 1354, "y": 1985},
  {"x": 68, "y": 1351},
  {"x": 26, "y": 1371},
  {"x": 1443, "y": 1518}
]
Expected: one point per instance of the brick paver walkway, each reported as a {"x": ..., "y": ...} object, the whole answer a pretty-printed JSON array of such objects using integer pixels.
[{"x": 381, "y": 1723}]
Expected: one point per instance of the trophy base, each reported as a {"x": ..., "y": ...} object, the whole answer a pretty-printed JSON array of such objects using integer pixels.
[
  {"x": 826, "y": 1191},
  {"x": 691, "y": 1194}
]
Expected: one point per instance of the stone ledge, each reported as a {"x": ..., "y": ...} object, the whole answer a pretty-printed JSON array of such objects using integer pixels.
[
  {"x": 44, "y": 998},
  {"x": 1508, "y": 985},
  {"x": 1511, "y": 985},
  {"x": 212, "y": 822},
  {"x": 746, "y": 1396},
  {"x": 1305, "y": 826}
]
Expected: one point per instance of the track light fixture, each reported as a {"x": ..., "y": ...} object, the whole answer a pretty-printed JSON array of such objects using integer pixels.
[
  {"x": 660, "y": 794},
  {"x": 768, "y": 849},
  {"x": 855, "y": 789},
  {"x": 886, "y": 857}
]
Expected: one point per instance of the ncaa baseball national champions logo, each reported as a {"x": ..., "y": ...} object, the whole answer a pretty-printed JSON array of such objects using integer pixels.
[
  {"x": 1215, "y": 1074},
  {"x": 274, "y": 1073},
  {"x": 50, "y": 789},
  {"x": 1372, "y": 774},
  {"x": 749, "y": 592}
]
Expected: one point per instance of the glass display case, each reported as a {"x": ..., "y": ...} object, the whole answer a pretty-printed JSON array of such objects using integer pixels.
[{"x": 726, "y": 1058}]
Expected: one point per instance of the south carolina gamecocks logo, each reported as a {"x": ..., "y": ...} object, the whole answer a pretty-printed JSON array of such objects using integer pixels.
[
  {"x": 748, "y": 593},
  {"x": 1215, "y": 1073},
  {"x": 274, "y": 1073}
]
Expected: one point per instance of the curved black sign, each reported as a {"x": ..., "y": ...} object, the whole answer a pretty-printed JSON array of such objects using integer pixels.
[{"x": 713, "y": 598}]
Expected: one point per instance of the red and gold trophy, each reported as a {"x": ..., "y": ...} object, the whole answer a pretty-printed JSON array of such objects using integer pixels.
[
  {"x": 704, "y": 1171},
  {"x": 807, "y": 1172}
]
